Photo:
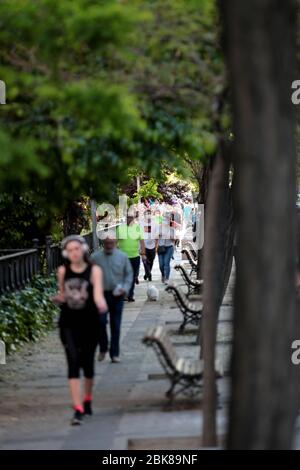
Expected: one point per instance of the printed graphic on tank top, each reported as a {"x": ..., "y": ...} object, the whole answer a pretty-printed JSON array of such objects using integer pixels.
[
  {"x": 79, "y": 309},
  {"x": 76, "y": 292}
]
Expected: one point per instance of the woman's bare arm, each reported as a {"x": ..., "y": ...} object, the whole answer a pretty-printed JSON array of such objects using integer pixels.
[{"x": 60, "y": 297}]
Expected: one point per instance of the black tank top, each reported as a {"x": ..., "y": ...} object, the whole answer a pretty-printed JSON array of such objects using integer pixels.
[{"x": 79, "y": 308}]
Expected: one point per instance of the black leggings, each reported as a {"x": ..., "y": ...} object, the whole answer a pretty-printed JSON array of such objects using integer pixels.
[{"x": 80, "y": 351}]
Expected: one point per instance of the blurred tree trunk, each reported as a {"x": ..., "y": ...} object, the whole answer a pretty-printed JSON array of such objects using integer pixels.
[
  {"x": 260, "y": 48},
  {"x": 203, "y": 183},
  {"x": 219, "y": 231},
  {"x": 93, "y": 208},
  {"x": 201, "y": 174}
]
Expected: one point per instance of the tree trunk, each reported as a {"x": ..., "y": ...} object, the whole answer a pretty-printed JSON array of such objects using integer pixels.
[
  {"x": 93, "y": 206},
  {"x": 218, "y": 236},
  {"x": 228, "y": 234},
  {"x": 260, "y": 49},
  {"x": 203, "y": 184}
]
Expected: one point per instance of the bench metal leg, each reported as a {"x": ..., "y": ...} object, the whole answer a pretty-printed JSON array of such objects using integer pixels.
[
  {"x": 170, "y": 393},
  {"x": 182, "y": 326},
  {"x": 187, "y": 387},
  {"x": 190, "y": 388}
]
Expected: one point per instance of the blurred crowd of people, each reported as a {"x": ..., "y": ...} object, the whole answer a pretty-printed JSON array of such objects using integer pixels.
[{"x": 92, "y": 290}]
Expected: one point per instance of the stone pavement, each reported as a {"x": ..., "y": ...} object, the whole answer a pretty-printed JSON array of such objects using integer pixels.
[{"x": 130, "y": 411}]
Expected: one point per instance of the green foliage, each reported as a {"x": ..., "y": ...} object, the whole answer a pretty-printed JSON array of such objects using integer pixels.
[
  {"x": 147, "y": 190},
  {"x": 27, "y": 314},
  {"x": 166, "y": 188},
  {"x": 68, "y": 27},
  {"x": 97, "y": 87},
  {"x": 54, "y": 58},
  {"x": 178, "y": 76},
  {"x": 21, "y": 220},
  {"x": 18, "y": 159}
]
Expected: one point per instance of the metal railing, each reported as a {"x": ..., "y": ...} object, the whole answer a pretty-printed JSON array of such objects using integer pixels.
[{"x": 18, "y": 267}]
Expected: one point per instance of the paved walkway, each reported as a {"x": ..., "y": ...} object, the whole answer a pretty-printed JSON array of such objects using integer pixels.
[{"x": 130, "y": 411}]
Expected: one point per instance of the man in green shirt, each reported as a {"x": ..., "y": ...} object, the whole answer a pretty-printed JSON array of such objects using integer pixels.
[{"x": 131, "y": 240}]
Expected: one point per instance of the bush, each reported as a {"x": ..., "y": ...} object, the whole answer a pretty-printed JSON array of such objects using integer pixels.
[{"x": 27, "y": 314}]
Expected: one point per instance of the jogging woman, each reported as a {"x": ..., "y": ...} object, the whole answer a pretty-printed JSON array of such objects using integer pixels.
[{"x": 82, "y": 300}]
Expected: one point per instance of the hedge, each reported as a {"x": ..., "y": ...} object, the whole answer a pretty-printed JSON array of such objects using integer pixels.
[{"x": 27, "y": 314}]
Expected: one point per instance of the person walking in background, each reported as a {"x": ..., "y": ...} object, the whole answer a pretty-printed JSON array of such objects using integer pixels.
[
  {"x": 131, "y": 240},
  {"x": 165, "y": 251},
  {"x": 187, "y": 209},
  {"x": 117, "y": 277},
  {"x": 177, "y": 223},
  {"x": 158, "y": 217},
  {"x": 151, "y": 241},
  {"x": 81, "y": 298},
  {"x": 165, "y": 248}
]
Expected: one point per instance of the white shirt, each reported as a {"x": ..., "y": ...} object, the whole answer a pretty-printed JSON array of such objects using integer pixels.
[
  {"x": 149, "y": 242},
  {"x": 150, "y": 237}
]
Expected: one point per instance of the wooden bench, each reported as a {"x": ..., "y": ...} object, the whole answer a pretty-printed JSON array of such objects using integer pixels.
[
  {"x": 194, "y": 285},
  {"x": 191, "y": 247},
  {"x": 191, "y": 259},
  {"x": 191, "y": 313},
  {"x": 184, "y": 374}
]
